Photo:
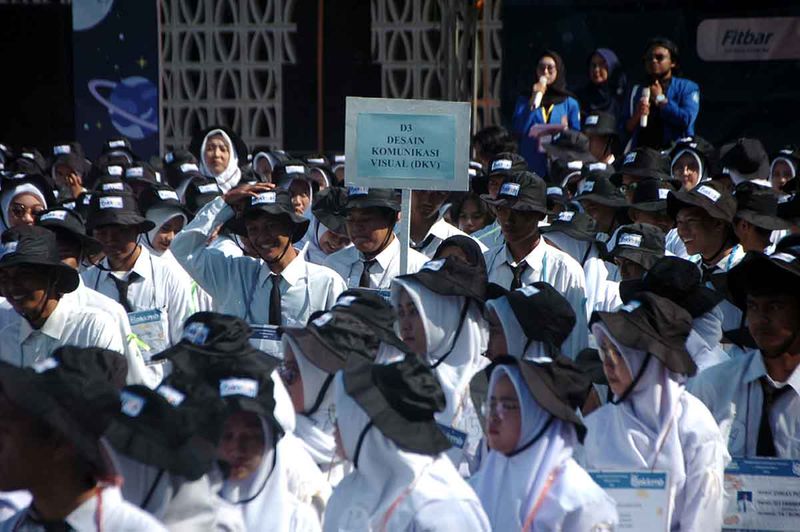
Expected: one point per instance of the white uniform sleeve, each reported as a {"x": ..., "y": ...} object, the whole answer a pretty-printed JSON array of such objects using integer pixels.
[{"x": 180, "y": 304}]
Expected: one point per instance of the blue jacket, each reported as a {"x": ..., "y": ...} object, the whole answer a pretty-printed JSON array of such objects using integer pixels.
[
  {"x": 679, "y": 114},
  {"x": 524, "y": 119}
]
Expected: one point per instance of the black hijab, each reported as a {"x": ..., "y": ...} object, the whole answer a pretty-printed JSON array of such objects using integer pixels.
[
  {"x": 606, "y": 96},
  {"x": 556, "y": 92}
]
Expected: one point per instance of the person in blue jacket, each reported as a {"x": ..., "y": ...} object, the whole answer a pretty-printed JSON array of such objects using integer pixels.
[
  {"x": 559, "y": 106},
  {"x": 673, "y": 104}
]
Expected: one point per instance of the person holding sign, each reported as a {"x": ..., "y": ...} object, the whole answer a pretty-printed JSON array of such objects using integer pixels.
[
  {"x": 755, "y": 396},
  {"x": 652, "y": 424},
  {"x": 281, "y": 288},
  {"x": 157, "y": 300},
  {"x": 526, "y": 258},
  {"x": 374, "y": 259},
  {"x": 529, "y": 480}
]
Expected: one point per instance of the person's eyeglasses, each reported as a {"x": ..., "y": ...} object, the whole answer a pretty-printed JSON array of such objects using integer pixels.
[
  {"x": 547, "y": 67},
  {"x": 19, "y": 210},
  {"x": 628, "y": 188},
  {"x": 502, "y": 409},
  {"x": 288, "y": 372},
  {"x": 657, "y": 57}
]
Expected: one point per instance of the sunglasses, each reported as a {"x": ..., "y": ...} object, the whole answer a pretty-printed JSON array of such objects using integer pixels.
[{"x": 19, "y": 210}]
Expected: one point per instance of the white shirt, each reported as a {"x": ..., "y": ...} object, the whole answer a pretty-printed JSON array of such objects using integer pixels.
[
  {"x": 490, "y": 236},
  {"x": 158, "y": 287},
  {"x": 438, "y": 233},
  {"x": 349, "y": 264},
  {"x": 552, "y": 266},
  {"x": 733, "y": 394},
  {"x": 732, "y": 315},
  {"x": 241, "y": 285},
  {"x": 108, "y": 506},
  {"x": 69, "y": 324},
  {"x": 138, "y": 371}
]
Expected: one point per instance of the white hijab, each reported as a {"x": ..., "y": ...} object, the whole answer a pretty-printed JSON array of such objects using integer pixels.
[
  {"x": 385, "y": 477},
  {"x": 9, "y": 195},
  {"x": 229, "y": 177},
  {"x": 642, "y": 431},
  {"x": 270, "y": 505},
  {"x": 510, "y": 486},
  {"x": 160, "y": 216},
  {"x": 512, "y": 330}
]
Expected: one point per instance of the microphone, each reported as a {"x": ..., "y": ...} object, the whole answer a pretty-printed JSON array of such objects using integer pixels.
[
  {"x": 536, "y": 101},
  {"x": 646, "y": 97}
]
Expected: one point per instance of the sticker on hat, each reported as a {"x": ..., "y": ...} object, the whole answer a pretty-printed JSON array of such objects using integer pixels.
[
  {"x": 116, "y": 144},
  {"x": 708, "y": 192},
  {"x": 134, "y": 171},
  {"x": 357, "y": 191},
  {"x": 585, "y": 186},
  {"x": 339, "y": 159},
  {"x": 631, "y": 305},
  {"x": 263, "y": 198},
  {"x": 43, "y": 365},
  {"x": 591, "y": 120},
  {"x": 114, "y": 170},
  {"x": 433, "y": 265},
  {"x": 168, "y": 195},
  {"x": 112, "y": 186},
  {"x": 554, "y": 191},
  {"x": 208, "y": 188},
  {"x": 565, "y": 216},
  {"x": 173, "y": 396},
  {"x": 472, "y": 172},
  {"x": 598, "y": 166},
  {"x": 53, "y": 215},
  {"x": 316, "y": 160},
  {"x": 323, "y": 320},
  {"x": 509, "y": 189},
  {"x": 575, "y": 165},
  {"x": 630, "y": 158},
  {"x": 630, "y": 239},
  {"x": 663, "y": 193},
  {"x": 69, "y": 205},
  {"x": 8, "y": 247},
  {"x": 295, "y": 169},
  {"x": 238, "y": 386},
  {"x": 28, "y": 155},
  {"x": 132, "y": 404},
  {"x": 186, "y": 167},
  {"x": 62, "y": 149},
  {"x": 529, "y": 290},
  {"x": 111, "y": 202},
  {"x": 345, "y": 301},
  {"x": 501, "y": 164},
  {"x": 196, "y": 333}
]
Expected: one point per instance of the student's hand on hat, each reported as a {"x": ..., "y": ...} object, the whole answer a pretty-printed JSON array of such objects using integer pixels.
[{"x": 242, "y": 194}]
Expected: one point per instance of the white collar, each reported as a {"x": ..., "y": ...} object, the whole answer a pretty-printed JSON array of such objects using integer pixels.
[
  {"x": 141, "y": 266},
  {"x": 54, "y": 324},
  {"x": 533, "y": 259},
  {"x": 293, "y": 272},
  {"x": 387, "y": 255},
  {"x": 756, "y": 369}
]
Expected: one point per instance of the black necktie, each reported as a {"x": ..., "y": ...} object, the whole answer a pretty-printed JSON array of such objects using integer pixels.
[
  {"x": 363, "y": 282},
  {"x": 122, "y": 290},
  {"x": 766, "y": 442},
  {"x": 275, "y": 301},
  {"x": 425, "y": 243},
  {"x": 708, "y": 272},
  {"x": 517, "y": 271}
]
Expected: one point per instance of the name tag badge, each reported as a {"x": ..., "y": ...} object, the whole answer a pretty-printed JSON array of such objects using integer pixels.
[
  {"x": 267, "y": 338},
  {"x": 457, "y": 438},
  {"x": 150, "y": 329}
]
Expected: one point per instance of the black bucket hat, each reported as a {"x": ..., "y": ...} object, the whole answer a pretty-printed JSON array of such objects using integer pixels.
[
  {"x": 177, "y": 164},
  {"x": 111, "y": 184},
  {"x": 141, "y": 172},
  {"x": 524, "y": 191},
  {"x": 700, "y": 148},
  {"x": 712, "y": 197},
  {"x": 318, "y": 160},
  {"x": 71, "y": 155},
  {"x": 569, "y": 145},
  {"x": 640, "y": 243},
  {"x": 119, "y": 147},
  {"x": 199, "y": 192},
  {"x": 789, "y": 209},
  {"x": 210, "y": 336},
  {"x": 544, "y": 314},
  {"x": 288, "y": 171},
  {"x": 596, "y": 186},
  {"x": 276, "y": 202},
  {"x": 781, "y": 269},
  {"x": 600, "y": 123},
  {"x": 69, "y": 222},
  {"x": 651, "y": 195},
  {"x": 643, "y": 162},
  {"x": 451, "y": 277},
  {"x": 33, "y": 246},
  {"x": 565, "y": 174},
  {"x": 375, "y": 312},
  {"x": 506, "y": 164},
  {"x": 39, "y": 181},
  {"x": 115, "y": 209},
  {"x": 654, "y": 324},
  {"x": 577, "y": 225},
  {"x": 759, "y": 206},
  {"x": 70, "y": 393},
  {"x": 745, "y": 159},
  {"x": 163, "y": 428},
  {"x": 328, "y": 208},
  {"x": 29, "y": 161},
  {"x": 558, "y": 386},
  {"x": 160, "y": 195},
  {"x": 367, "y": 198},
  {"x": 401, "y": 400},
  {"x": 678, "y": 280}
]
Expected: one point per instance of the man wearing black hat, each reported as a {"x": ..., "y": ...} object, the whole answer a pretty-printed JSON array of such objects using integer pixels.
[
  {"x": 374, "y": 259},
  {"x": 601, "y": 129},
  {"x": 641, "y": 163},
  {"x": 157, "y": 301},
  {"x": 526, "y": 258},
  {"x": 281, "y": 288},
  {"x": 34, "y": 280},
  {"x": 602, "y": 200},
  {"x": 636, "y": 249},
  {"x": 746, "y": 160},
  {"x": 754, "y": 397},
  {"x": 756, "y": 216},
  {"x": 428, "y": 227},
  {"x": 502, "y": 167}
]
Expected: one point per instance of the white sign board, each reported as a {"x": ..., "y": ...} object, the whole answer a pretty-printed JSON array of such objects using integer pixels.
[{"x": 407, "y": 144}]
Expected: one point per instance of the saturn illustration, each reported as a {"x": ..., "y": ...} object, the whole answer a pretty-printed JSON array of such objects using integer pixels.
[{"x": 132, "y": 104}]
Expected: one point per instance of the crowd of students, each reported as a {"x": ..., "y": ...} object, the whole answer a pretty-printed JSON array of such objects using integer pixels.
[{"x": 222, "y": 339}]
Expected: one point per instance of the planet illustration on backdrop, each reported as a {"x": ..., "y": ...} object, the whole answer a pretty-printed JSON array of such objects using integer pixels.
[
  {"x": 132, "y": 104},
  {"x": 87, "y": 14}
]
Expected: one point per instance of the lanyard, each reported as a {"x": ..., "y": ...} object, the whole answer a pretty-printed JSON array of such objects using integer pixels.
[
  {"x": 400, "y": 498},
  {"x": 547, "y": 112},
  {"x": 540, "y": 499}
]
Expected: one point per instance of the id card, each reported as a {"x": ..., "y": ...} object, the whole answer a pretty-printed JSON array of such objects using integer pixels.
[
  {"x": 642, "y": 498},
  {"x": 150, "y": 328},
  {"x": 762, "y": 494},
  {"x": 267, "y": 338}
]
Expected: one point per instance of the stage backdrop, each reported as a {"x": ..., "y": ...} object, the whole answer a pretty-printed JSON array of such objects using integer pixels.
[{"x": 115, "y": 68}]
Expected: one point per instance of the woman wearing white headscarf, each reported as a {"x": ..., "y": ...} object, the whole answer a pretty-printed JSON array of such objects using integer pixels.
[
  {"x": 441, "y": 320},
  {"x": 219, "y": 159},
  {"x": 22, "y": 198},
  {"x": 327, "y": 232},
  {"x": 653, "y": 423},
  {"x": 529, "y": 480},
  {"x": 401, "y": 481}
]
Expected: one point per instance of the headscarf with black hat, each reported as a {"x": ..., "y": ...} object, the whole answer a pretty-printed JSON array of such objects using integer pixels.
[
  {"x": 385, "y": 415},
  {"x": 758, "y": 206},
  {"x": 791, "y": 157},
  {"x": 701, "y": 150},
  {"x": 32, "y": 246},
  {"x": 328, "y": 215},
  {"x": 509, "y": 486},
  {"x": 13, "y": 185},
  {"x": 470, "y": 248},
  {"x": 160, "y": 203}
]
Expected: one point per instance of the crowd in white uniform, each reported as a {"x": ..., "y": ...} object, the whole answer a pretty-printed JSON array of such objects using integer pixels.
[{"x": 207, "y": 343}]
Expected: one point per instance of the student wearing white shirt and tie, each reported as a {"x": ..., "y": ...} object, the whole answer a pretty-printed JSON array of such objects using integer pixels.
[
  {"x": 34, "y": 281},
  {"x": 526, "y": 258},
  {"x": 374, "y": 259},
  {"x": 156, "y": 299},
  {"x": 279, "y": 288}
]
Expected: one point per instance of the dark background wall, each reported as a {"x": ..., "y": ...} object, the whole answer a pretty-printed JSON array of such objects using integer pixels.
[{"x": 737, "y": 98}]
